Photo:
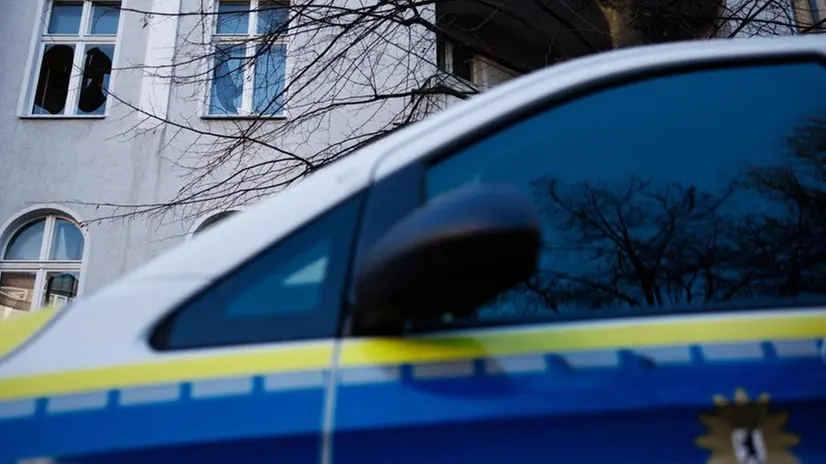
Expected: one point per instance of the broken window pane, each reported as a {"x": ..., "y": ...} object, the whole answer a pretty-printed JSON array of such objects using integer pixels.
[
  {"x": 233, "y": 18},
  {"x": 104, "y": 20},
  {"x": 272, "y": 18},
  {"x": 53, "y": 82},
  {"x": 97, "y": 69},
  {"x": 228, "y": 80},
  {"x": 65, "y": 18},
  {"x": 270, "y": 67}
]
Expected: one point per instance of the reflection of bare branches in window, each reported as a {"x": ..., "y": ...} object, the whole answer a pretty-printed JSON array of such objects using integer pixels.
[
  {"x": 643, "y": 244},
  {"x": 793, "y": 240},
  {"x": 632, "y": 244}
]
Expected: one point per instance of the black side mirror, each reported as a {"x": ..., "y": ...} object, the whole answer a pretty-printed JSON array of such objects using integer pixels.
[{"x": 449, "y": 256}]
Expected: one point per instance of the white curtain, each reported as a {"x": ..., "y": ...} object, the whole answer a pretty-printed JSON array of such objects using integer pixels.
[{"x": 67, "y": 243}]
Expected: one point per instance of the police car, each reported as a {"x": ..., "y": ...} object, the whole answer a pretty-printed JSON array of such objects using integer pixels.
[{"x": 617, "y": 259}]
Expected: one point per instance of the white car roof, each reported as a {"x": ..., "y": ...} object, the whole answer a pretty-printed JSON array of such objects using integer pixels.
[{"x": 124, "y": 311}]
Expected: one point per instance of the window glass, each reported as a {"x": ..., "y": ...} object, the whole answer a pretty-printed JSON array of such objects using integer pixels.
[
  {"x": 269, "y": 79},
  {"x": 292, "y": 291},
  {"x": 689, "y": 192},
  {"x": 296, "y": 287},
  {"x": 67, "y": 242},
  {"x": 16, "y": 292},
  {"x": 65, "y": 18},
  {"x": 228, "y": 83},
  {"x": 97, "y": 69},
  {"x": 272, "y": 18},
  {"x": 104, "y": 20},
  {"x": 25, "y": 243},
  {"x": 256, "y": 56},
  {"x": 53, "y": 82},
  {"x": 59, "y": 288},
  {"x": 233, "y": 18}
]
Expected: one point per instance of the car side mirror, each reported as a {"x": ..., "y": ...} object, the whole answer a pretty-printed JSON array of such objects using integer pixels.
[{"x": 449, "y": 256}]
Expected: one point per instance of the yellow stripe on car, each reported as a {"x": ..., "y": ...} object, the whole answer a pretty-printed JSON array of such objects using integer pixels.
[
  {"x": 489, "y": 343},
  {"x": 317, "y": 355},
  {"x": 628, "y": 333}
]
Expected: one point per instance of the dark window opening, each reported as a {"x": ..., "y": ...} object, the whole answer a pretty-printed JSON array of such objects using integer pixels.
[
  {"x": 53, "y": 83},
  {"x": 97, "y": 70}
]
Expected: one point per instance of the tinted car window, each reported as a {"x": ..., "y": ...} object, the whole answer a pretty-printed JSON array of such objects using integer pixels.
[
  {"x": 695, "y": 191},
  {"x": 292, "y": 291}
]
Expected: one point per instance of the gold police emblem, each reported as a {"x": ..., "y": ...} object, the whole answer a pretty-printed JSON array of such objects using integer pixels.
[{"x": 745, "y": 431}]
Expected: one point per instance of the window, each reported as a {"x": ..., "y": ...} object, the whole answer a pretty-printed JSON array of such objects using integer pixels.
[
  {"x": 457, "y": 60},
  {"x": 212, "y": 220},
  {"x": 250, "y": 51},
  {"x": 40, "y": 265},
  {"x": 76, "y": 51},
  {"x": 688, "y": 192},
  {"x": 292, "y": 291},
  {"x": 460, "y": 61},
  {"x": 488, "y": 73}
]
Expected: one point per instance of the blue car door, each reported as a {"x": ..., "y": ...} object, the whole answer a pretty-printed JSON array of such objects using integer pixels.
[
  {"x": 676, "y": 313},
  {"x": 239, "y": 372}
]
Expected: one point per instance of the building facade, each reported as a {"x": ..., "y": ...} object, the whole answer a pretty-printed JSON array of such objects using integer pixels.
[
  {"x": 107, "y": 108},
  {"x": 92, "y": 116}
]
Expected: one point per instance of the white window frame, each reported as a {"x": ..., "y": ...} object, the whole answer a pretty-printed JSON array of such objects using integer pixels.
[
  {"x": 482, "y": 72},
  {"x": 480, "y": 66},
  {"x": 246, "y": 110},
  {"x": 43, "y": 265},
  {"x": 80, "y": 41},
  {"x": 448, "y": 59}
]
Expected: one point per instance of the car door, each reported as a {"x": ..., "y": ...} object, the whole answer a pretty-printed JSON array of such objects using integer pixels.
[
  {"x": 676, "y": 314},
  {"x": 236, "y": 374}
]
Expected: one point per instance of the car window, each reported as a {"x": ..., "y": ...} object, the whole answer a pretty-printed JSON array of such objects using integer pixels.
[
  {"x": 698, "y": 191},
  {"x": 292, "y": 291}
]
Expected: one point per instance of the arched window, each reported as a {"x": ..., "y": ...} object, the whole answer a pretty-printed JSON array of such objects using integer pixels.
[
  {"x": 40, "y": 263},
  {"x": 212, "y": 220}
]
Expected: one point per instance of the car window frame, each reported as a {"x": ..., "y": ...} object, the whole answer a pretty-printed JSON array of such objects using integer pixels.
[
  {"x": 409, "y": 182},
  {"x": 159, "y": 333}
]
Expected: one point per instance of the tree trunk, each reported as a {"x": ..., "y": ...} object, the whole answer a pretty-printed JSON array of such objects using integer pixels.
[
  {"x": 620, "y": 18},
  {"x": 640, "y": 22}
]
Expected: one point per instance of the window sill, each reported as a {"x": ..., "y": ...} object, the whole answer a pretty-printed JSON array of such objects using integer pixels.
[
  {"x": 234, "y": 117},
  {"x": 60, "y": 116}
]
